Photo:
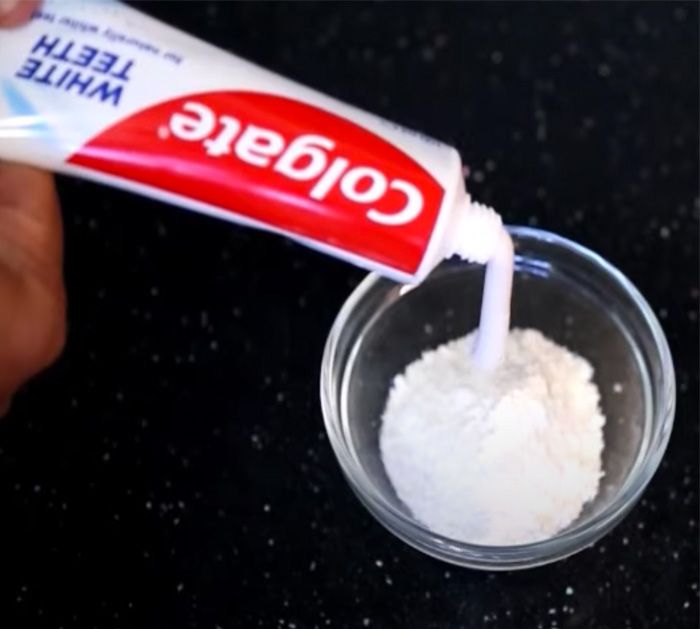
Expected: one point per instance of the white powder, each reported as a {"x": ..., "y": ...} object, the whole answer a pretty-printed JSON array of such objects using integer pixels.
[{"x": 508, "y": 457}]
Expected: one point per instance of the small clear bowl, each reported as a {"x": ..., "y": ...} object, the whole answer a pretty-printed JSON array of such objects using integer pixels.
[{"x": 574, "y": 297}]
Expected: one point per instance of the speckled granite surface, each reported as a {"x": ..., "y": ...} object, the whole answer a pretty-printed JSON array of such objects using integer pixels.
[{"x": 172, "y": 470}]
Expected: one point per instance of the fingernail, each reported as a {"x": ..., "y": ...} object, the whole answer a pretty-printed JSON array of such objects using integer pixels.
[{"x": 8, "y": 6}]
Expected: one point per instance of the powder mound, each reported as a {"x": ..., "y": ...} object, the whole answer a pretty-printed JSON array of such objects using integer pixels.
[{"x": 505, "y": 458}]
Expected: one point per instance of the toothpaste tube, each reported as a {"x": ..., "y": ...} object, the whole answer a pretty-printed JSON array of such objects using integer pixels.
[{"x": 101, "y": 91}]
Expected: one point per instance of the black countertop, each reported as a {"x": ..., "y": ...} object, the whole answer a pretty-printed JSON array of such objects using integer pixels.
[{"x": 171, "y": 470}]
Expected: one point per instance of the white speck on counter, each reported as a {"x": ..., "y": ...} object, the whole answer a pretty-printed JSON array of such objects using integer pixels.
[
  {"x": 617, "y": 388},
  {"x": 441, "y": 40},
  {"x": 679, "y": 13},
  {"x": 569, "y": 590}
]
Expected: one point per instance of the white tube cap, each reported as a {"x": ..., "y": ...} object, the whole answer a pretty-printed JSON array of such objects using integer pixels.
[{"x": 477, "y": 232}]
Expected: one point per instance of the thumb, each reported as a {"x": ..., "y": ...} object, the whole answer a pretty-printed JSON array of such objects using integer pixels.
[
  {"x": 16, "y": 12},
  {"x": 32, "y": 297}
]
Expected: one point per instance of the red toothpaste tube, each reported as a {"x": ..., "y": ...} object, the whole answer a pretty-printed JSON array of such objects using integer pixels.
[{"x": 100, "y": 91}]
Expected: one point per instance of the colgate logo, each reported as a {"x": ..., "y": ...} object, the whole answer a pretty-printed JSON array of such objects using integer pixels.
[
  {"x": 306, "y": 158},
  {"x": 290, "y": 165}
]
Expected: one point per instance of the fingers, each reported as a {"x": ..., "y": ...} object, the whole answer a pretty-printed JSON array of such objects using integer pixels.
[
  {"x": 16, "y": 12},
  {"x": 32, "y": 296}
]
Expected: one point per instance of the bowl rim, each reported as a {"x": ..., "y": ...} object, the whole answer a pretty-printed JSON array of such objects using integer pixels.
[{"x": 571, "y": 539}]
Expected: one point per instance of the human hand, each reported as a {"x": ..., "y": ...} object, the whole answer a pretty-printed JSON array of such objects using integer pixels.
[{"x": 32, "y": 296}]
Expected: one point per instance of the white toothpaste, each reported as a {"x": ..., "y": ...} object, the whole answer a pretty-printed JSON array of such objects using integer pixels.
[{"x": 100, "y": 91}]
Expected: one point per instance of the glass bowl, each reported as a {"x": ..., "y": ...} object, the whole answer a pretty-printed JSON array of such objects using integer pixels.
[{"x": 570, "y": 294}]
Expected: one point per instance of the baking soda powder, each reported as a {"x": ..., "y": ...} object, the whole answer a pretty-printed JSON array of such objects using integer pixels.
[{"x": 506, "y": 457}]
